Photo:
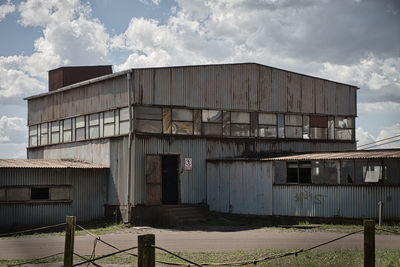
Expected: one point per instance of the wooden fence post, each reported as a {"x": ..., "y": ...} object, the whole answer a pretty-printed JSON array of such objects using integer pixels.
[
  {"x": 369, "y": 243},
  {"x": 69, "y": 241},
  {"x": 147, "y": 256}
]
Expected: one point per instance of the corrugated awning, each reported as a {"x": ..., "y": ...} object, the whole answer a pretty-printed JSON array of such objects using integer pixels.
[
  {"x": 49, "y": 163},
  {"x": 355, "y": 154}
]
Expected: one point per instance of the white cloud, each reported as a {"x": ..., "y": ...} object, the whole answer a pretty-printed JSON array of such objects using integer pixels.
[
  {"x": 6, "y": 9},
  {"x": 365, "y": 138},
  {"x": 149, "y": 2},
  {"x": 388, "y": 106},
  {"x": 13, "y": 130}
]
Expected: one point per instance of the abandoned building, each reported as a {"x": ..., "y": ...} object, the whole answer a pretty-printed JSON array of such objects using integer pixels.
[{"x": 163, "y": 131}]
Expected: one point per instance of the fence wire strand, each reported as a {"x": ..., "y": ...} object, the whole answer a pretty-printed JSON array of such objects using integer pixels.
[
  {"x": 255, "y": 261},
  {"x": 32, "y": 230},
  {"x": 388, "y": 231},
  {"x": 85, "y": 259},
  {"x": 35, "y": 260}
]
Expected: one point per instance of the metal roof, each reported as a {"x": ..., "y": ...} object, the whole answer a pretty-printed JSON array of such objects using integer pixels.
[
  {"x": 105, "y": 77},
  {"x": 354, "y": 154},
  {"x": 49, "y": 164}
]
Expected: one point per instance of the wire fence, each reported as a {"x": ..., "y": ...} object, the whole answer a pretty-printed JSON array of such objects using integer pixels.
[{"x": 91, "y": 259}]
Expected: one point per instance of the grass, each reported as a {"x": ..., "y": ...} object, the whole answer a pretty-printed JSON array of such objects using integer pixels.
[
  {"x": 223, "y": 220},
  {"x": 353, "y": 257},
  {"x": 97, "y": 227}
]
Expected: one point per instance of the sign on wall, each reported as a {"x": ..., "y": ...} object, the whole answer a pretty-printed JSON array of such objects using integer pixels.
[{"x": 188, "y": 164}]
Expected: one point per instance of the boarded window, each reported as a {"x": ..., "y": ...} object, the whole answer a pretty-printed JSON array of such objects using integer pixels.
[
  {"x": 148, "y": 126},
  {"x": 181, "y": 127},
  {"x": 212, "y": 129},
  {"x": 197, "y": 122},
  {"x": 212, "y": 116},
  {"x": 240, "y": 117},
  {"x": 318, "y": 133},
  {"x": 149, "y": 120},
  {"x": 294, "y": 120},
  {"x": 148, "y": 113},
  {"x": 226, "y": 123},
  {"x": 18, "y": 194},
  {"x": 167, "y": 122},
  {"x": 318, "y": 121},
  {"x": 60, "y": 193},
  {"x": 182, "y": 114}
]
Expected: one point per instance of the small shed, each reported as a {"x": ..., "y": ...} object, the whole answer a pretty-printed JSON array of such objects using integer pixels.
[{"x": 45, "y": 191}]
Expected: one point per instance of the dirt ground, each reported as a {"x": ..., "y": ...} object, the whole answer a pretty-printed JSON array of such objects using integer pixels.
[{"x": 215, "y": 238}]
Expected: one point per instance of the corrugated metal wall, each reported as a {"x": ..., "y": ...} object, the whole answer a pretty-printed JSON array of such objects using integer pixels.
[
  {"x": 244, "y": 86},
  {"x": 336, "y": 201},
  {"x": 89, "y": 194},
  {"x": 240, "y": 187}
]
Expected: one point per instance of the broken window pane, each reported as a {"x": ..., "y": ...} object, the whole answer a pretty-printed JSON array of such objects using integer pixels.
[
  {"x": 240, "y": 117},
  {"x": 182, "y": 114},
  {"x": 344, "y": 134},
  {"x": 167, "y": 121},
  {"x": 148, "y": 113},
  {"x": 306, "y": 127},
  {"x": 179, "y": 127},
  {"x": 281, "y": 126},
  {"x": 212, "y": 129},
  {"x": 148, "y": 126},
  {"x": 294, "y": 120},
  {"x": 318, "y": 133},
  {"x": 268, "y": 119},
  {"x": 240, "y": 129},
  {"x": 293, "y": 132},
  {"x": 372, "y": 172},
  {"x": 331, "y": 128},
  {"x": 60, "y": 193},
  {"x": 267, "y": 131},
  {"x": 347, "y": 172},
  {"x": 212, "y": 116},
  {"x": 197, "y": 122},
  {"x": 344, "y": 122}
]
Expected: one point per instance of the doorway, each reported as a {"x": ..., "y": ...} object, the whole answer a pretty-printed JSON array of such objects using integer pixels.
[{"x": 170, "y": 179}]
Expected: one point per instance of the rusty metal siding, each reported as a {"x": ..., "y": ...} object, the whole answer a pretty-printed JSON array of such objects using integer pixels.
[
  {"x": 117, "y": 182},
  {"x": 91, "y": 98},
  {"x": 88, "y": 195},
  {"x": 294, "y": 93},
  {"x": 242, "y": 187},
  {"x": 356, "y": 202},
  {"x": 193, "y": 183},
  {"x": 307, "y": 95}
]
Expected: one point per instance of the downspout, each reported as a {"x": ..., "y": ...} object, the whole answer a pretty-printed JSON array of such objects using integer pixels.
[{"x": 129, "y": 182}]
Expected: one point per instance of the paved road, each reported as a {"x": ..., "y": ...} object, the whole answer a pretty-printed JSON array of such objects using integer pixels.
[{"x": 34, "y": 247}]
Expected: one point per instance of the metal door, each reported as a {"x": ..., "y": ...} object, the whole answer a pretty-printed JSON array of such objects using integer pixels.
[{"x": 153, "y": 180}]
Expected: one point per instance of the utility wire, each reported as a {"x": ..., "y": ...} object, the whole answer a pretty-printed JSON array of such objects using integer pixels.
[
  {"x": 377, "y": 141},
  {"x": 381, "y": 144}
]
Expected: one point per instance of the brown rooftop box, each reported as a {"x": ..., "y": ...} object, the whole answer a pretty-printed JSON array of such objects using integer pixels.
[{"x": 65, "y": 76}]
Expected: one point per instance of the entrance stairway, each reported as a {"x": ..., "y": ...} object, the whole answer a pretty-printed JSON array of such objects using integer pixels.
[
  {"x": 169, "y": 215},
  {"x": 186, "y": 214}
]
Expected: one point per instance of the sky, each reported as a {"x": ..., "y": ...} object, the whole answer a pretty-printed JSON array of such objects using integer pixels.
[{"x": 350, "y": 41}]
